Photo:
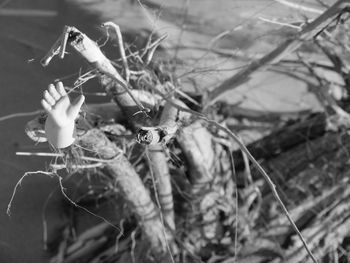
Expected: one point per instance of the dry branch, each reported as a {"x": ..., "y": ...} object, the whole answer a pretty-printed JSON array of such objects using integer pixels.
[
  {"x": 238, "y": 112},
  {"x": 194, "y": 140},
  {"x": 157, "y": 137},
  {"x": 128, "y": 104},
  {"x": 160, "y": 168},
  {"x": 120, "y": 90},
  {"x": 96, "y": 114},
  {"x": 269, "y": 182},
  {"x": 95, "y": 140},
  {"x": 168, "y": 125},
  {"x": 285, "y": 138},
  {"x": 130, "y": 185},
  {"x": 196, "y": 144},
  {"x": 308, "y": 32},
  {"x": 299, "y": 6},
  {"x": 315, "y": 179}
]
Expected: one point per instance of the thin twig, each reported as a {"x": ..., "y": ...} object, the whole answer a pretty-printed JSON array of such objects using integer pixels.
[
  {"x": 20, "y": 114},
  {"x": 236, "y": 202},
  {"x": 60, "y": 179},
  {"x": 152, "y": 48},
  {"x": 121, "y": 47},
  {"x": 63, "y": 44},
  {"x": 57, "y": 48},
  {"x": 300, "y": 7},
  {"x": 291, "y": 44},
  {"x": 133, "y": 245},
  {"x": 85, "y": 158},
  {"x": 247, "y": 171},
  {"x": 40, "y": 154},
  {"x": 121, "y": 233},
  {"x": 92, "y": 53},
  {"x": 267, "y": 179},
  {"x": 278, "y": 23},
  {"x": 18, "y": 184},
  {"x": 57, "y": 167}
]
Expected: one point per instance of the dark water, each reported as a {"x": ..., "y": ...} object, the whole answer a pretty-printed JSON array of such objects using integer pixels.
[{"x": 21, "y": 84}]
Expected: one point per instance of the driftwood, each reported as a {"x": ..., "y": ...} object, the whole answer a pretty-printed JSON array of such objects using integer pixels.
[
  {"x": 306, "y": 163},
  {"x": 129, "y": 183},
  {"x": 96, "y": 141},
  {"x": 313, "y": 178},
  {"x": 285, "y": 138},
  {"x": 160, "y": 135},
  {"x": 126, "y": 178}
]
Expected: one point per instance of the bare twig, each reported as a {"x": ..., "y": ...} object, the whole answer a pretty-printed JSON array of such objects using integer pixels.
[
  {"x": 64, "y": 39},
  {"x": 121, "y": 47},
  {"x": 299, "y": 6},
  {"x": 40, "y": 154},
  {"x": 324, "y": 93},
  {"x": 91, "y": 233},
  {"x": 152, "y": 48},
  {"x": 57, "y": 167},
  {"x": 57, "y": 48},
  {"x": 156, "y": 157},
  {"x": 267, "y": 179},
  {"x": 236, "y": 201},
  {"x": 95, "y": 140},
  {"x": 91, "y": 52},
  {"x": 85, "y": 158},
  {"x": 273, "y": 21},
  {"x": 281, "y": 51},
  {"x": 18, "y": 184},
  {"x": 20, "y": 114}
]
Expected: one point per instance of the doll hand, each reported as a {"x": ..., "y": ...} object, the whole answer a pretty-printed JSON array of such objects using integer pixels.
[
  {"x": 58, "y": 105},
  {"x": 60, "y": 122}
]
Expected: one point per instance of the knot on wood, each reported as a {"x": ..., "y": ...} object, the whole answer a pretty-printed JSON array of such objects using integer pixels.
[
  {"x": 151, "y": 136},
  {"x": 75, "y": 36}
]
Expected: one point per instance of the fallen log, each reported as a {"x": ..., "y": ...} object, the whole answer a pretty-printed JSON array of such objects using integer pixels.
[
  {"x": 285, "y": 138},
  {"x": 313, "y": 181}
]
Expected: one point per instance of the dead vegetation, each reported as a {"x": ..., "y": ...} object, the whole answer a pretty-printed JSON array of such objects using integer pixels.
[{"x": 182, "y": 186}]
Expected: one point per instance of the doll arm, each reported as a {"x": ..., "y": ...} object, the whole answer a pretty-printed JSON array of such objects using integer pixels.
[{"x": 60, "y": 122}]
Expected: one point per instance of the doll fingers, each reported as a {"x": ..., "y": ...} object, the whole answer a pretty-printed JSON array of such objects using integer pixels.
[
  {"x": 45, "y": 105},
  {"x": 53, "y": 92},
  {"x": 48, "y": 98},
  {"x": 60, "y": 89}
]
